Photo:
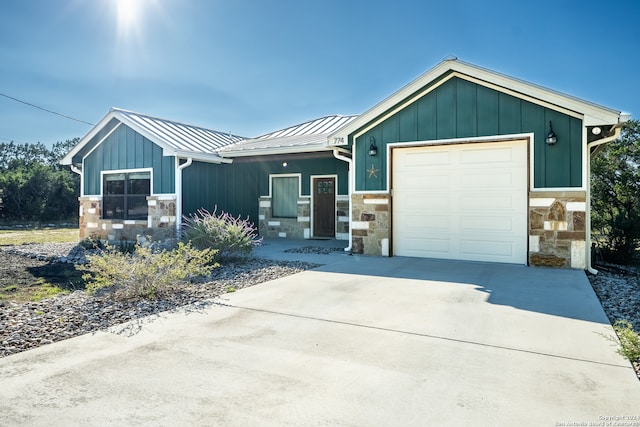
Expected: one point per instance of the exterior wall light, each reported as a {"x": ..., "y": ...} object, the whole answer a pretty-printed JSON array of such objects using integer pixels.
[
  {"x": 551, "y": 137},
  {"x": 373, "y": 149}
]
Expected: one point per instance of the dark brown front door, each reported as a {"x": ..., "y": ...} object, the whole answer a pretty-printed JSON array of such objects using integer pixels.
[{"x": 324, "y": 207}]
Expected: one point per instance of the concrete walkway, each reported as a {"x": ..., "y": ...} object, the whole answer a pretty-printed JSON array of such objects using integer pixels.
[{"x": 361, "y": 341}]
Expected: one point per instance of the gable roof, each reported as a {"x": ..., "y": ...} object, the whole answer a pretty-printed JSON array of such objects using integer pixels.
[
  {"x": 175, "y": 138},
  {"x": 304, "y": 137},
  {"x": 591, "y": 114}
]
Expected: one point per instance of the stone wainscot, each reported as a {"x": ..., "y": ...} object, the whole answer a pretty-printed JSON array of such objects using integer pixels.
[{"x": 160, "y": 224}]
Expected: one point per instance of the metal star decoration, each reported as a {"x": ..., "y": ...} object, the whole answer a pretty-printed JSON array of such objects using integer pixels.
[{"x": 373, "y": 172}]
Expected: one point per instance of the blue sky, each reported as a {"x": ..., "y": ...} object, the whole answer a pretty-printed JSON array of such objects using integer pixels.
[{"x": 254, "y": 66}]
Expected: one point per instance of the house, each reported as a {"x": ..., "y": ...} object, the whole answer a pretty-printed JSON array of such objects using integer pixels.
[
  {"x": 466, "y": 163},
  {"x": 140, "y": 174},
  {"x": 130, "y": 168},
  {"x": 461, "y": 163}
]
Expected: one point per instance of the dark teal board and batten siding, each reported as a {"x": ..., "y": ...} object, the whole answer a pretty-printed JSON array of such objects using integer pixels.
[
  {"x": 235, "y": 188},
  {"x": 462, "y": 109},
  {"x": 127, "y": 149}
]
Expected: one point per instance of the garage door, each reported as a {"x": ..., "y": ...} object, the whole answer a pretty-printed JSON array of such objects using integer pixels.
[{"x": 464, "y": 201}]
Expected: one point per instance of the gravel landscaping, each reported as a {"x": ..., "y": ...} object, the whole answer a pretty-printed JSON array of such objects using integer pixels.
[
  {"x": 618, "y": 289},
  {"x": 27, "y": 325}
]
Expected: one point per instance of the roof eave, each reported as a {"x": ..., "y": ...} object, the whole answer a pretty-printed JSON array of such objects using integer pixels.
[
  {"x": 199, "y": 157},
  {"x": 276, "y": 150}
]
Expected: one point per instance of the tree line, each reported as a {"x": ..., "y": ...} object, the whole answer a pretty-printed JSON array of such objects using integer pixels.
[
  {"x": 34, "y": 187},
  {"x": 615, "y": 196}
]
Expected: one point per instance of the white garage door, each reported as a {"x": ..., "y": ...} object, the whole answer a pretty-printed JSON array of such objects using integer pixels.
[{"x": 464, "y": 201}]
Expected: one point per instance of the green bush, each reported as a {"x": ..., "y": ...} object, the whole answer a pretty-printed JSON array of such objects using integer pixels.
[
  {"x": 146, "y": 274},
  {"x": 629, "y": 340},
  {"x": 230, "y": 236}
]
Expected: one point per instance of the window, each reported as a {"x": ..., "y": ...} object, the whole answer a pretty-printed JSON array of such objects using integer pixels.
[
  {"x": 284, "y": 196},
  {"x": 125, "y": 195}
]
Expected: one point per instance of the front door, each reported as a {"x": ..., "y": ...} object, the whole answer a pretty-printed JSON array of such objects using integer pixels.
[{"x": 324, "y": 207}]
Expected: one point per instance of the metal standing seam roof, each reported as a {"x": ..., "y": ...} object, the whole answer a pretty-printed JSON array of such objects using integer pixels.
[
  {"x": 179, "y": 136},
  {"x": 307, "y": 135}
]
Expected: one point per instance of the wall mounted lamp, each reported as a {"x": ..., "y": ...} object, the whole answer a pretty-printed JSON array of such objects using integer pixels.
[
  {"x": 551, "y": 137},
  {"x": 373, "y": 149}
]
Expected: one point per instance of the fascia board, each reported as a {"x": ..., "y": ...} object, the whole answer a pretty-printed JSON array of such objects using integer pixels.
[
  {"x": 278, "y": 150},
  {"x": 593, "y": 113},
  {"x": 199, "y": 157},
  {"x": 68, "y": 159}
]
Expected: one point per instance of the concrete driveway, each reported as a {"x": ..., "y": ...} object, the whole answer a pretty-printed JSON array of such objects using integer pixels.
[{"x": 358, "y": 342}]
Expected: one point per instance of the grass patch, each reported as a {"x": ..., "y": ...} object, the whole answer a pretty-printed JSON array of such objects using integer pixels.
[
  {"x": 46, "y": 290},
  {"x": 38, "y": 235}
]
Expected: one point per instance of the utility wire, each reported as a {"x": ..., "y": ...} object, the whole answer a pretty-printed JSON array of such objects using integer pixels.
[{"x": 44, "y": 109}]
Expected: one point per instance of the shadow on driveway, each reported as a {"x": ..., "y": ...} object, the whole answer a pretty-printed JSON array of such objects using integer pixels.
[{"x": 558, "y": 292}]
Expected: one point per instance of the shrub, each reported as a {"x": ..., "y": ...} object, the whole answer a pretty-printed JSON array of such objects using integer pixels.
[
  {"x": 230, "y": 236},
  {"x": 629, "y": 340},
  {"x": 146, "y": 274}
]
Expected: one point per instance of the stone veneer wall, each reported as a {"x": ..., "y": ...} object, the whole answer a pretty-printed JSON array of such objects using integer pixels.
[
  {"x": 300, "y": 227},
  {"x": 557, "y": 229},
  {"x": 295, "y": 228},
  {"x": 160, "y": 225},
  {"x": 370, "y": 224}
]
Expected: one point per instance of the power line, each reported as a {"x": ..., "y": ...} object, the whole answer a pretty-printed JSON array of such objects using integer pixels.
[{"x": 44, "y": 109}]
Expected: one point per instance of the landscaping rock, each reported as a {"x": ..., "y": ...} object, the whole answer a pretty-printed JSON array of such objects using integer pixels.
[{"x": 24, "y": 326}]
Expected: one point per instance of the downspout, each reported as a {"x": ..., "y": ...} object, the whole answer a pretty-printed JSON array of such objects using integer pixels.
[
  {"x": 79, "y": 172},
  {"x": 615, "y": 135},
  {"x": 349, "y": 161},
  {"x": 179, "y": 169}
]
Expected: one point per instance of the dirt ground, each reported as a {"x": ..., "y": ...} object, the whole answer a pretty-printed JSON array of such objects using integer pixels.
[{"x": 23, "y": 278}]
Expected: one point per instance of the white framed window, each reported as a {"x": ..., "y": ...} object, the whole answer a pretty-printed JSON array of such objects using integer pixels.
[
  {"x": 284, "y": 196},
  {"x": 124, "y": 194}
]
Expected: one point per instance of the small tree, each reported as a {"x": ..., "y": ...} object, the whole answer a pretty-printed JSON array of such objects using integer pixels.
[{"x": 615, "y": 195}]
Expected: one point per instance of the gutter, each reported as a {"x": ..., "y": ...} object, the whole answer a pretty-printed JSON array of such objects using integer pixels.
[
  {"x": 337, "y": 155},
  {"x": 616, "y": 134},
  {"x": 179, "y": 169}
]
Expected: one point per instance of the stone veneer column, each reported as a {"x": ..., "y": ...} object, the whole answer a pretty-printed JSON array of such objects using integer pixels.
[
  {"x": 370, "y": 223},
  {"x": 557, "y": 230},
  {"x": 90, "y": 214}
]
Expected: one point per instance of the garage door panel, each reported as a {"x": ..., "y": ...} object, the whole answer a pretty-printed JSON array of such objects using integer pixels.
[
  {"x": 435, "y": 223},
  {"x": 419, "y": 160},
  {"x": 488, "y": 202},
  {"x": 487, "y": 249},
  {"x": 482, "y": 179},
  {"x": 428, "y": 248},
  {"x": 487, "y": 156},
  {"x": 486, "y": 224},
  {"x": 471, "y": 207},
  {"x": 417, "y": 201},
  {"x": 420, "y": 181}
]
